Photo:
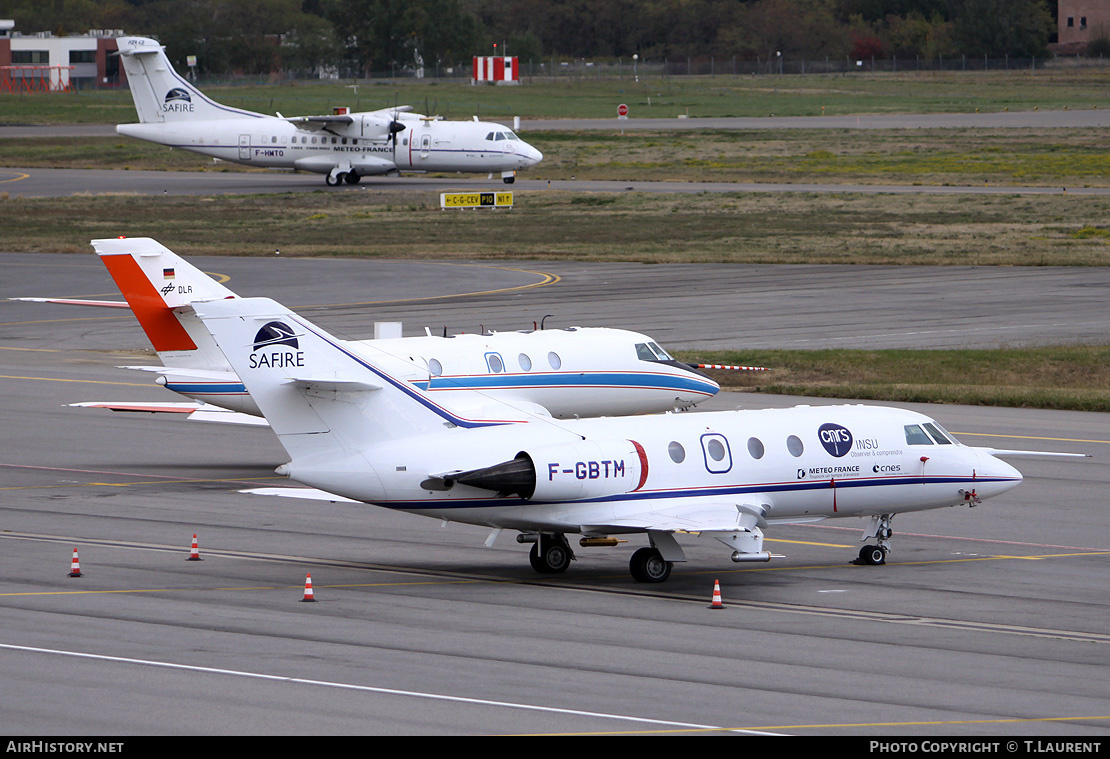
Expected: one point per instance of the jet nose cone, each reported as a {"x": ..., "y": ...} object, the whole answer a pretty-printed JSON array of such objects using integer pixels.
[
  {"x": 531, "y": 155},
  {"x": 1000, "y": 475}
]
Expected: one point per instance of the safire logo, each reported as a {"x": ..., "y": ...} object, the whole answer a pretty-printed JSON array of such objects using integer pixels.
[
  {"x": 270, "y": 337},
  {"x": 275, "y": 333},
  {"x": 836, "y": 439},
  {"x": 178, "y": 100}
]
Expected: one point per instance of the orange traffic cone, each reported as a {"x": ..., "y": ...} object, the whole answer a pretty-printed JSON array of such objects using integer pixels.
[
  {"x": 194, "y": 552},
  {"x": 308, "y": 589},
  {"x": 716, "y": 596},
  {"x": 75, "y": 566}
]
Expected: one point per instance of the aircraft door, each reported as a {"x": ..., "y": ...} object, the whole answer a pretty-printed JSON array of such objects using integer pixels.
[
  {"x": 718, "y": 455},
  {"x": 244, "y": 147}
]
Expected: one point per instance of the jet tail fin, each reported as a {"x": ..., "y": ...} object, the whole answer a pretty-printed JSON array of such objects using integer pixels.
[
  {"x": 323, "y": 397},
  {"x": 159, "y": 286},
  {"x": 160, "y": 94}
]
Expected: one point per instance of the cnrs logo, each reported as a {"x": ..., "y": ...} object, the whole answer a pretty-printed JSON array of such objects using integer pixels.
[{"x": 836, "y": 439}]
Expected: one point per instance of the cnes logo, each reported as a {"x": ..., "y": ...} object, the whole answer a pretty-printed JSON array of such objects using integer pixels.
[{"x": 267, "y": 351}]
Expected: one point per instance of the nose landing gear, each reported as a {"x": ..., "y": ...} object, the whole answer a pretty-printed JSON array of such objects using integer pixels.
[{"x": 875, "y": 554}]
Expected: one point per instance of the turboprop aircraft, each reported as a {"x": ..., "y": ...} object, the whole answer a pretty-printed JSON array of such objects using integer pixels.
[
  {"x": 344, "y": 147},
  {"x": 561, "y": 372},
  {"x": 355, "y": 430}
]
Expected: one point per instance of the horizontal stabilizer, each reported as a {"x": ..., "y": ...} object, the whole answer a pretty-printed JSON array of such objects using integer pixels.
[
  {"x": 311, "y": 384},
  {"x": 77, "y": 302},
  {"x": 1033, "y": 454}
]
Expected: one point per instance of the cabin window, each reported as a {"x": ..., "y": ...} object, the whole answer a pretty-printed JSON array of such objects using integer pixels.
[
  {"x": 525, "y": 362},
  {"x": 434, "y": 367},
  {"x": 916, "y": 436},
  {"x": 755, "y": 447},
  {"x": 554, "y": 360},
  {"x": 794, "y": 445},
  {"x": 494, "y": 362},
  {"x": 273, "y": 139},
  {"x": 676, "y": 452}
]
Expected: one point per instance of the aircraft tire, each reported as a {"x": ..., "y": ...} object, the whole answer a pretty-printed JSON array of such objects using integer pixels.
[
  {"x": 509, "y": 180},
  {"x": 873, "y": 555},
  {"x": 648, "y": 565},
  {"x": 331, "y": 181},
  {"x": 352, "y": 177},
  {"x": 554, "y": 559}
]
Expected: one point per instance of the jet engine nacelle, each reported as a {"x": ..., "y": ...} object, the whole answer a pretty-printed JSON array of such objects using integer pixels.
[{"x": 568, "y": 472}]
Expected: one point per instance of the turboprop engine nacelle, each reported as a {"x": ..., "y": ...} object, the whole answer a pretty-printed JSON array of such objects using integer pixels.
[{"x": 570, "y": 472}]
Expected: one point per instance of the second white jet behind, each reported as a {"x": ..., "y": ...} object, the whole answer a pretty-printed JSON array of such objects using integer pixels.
[
  {"x": 563, "y": 373},
  {"x": 343, "y": 147}
]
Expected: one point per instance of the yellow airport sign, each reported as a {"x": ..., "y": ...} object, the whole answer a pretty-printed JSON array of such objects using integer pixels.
[{"x": 476, "y": 200}]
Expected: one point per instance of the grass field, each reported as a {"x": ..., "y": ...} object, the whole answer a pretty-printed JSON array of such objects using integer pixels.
[
  {"x": 732, "y": 228},
  {"x": 1058, "y": 86},
  {"x": 1062, "y": 377}
]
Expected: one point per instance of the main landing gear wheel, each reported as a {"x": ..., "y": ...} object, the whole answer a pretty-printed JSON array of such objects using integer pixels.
[
  {"x": 332, "y": 181},
  {"x": 353, "y": 177},
  {"x": 550, "y": 556},
  {"x": 873, "y": 555},
  {"x": 509, "y": 180},
  {"x": 648, "y": 565}
]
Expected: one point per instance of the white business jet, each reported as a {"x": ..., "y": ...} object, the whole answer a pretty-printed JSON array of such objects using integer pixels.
[
  {"x": 344, "y": 147},
  {"x": 354, "y": 429},
  {"x": 561, "y": 372}
]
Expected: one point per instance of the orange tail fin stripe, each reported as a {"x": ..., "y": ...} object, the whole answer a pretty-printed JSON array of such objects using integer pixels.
[{"x": 157, "y": 320}]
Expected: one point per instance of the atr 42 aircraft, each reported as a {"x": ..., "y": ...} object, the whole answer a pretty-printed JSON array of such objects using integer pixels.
[
  {"x": 344, "y": 147},
  {"x": 560, "y": 372},
  {"x": 354, "y": 429}
]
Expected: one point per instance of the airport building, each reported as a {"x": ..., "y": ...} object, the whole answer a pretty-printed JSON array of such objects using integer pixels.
[
  {"x": 1080, "y": 22},
  {"x": 41, "y": 62}
]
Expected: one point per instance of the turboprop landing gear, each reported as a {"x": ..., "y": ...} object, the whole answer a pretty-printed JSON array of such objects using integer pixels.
[
  {"x": 880, "y": 528},
  {"x": 648, "y": 565},
  {"x": 550, "y": 554},
  {"x": 352, "y": 177}
]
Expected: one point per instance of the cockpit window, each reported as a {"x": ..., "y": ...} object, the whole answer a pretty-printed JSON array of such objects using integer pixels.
[
  {"x": 651, "y": 352},
  {"x": 935, "y": 432},
  {"x": 500, "y": 136},
  {"x": 916, "y": 436},
  {"x": 511, "y": 136},
  {"x": 490, "y": 136}
]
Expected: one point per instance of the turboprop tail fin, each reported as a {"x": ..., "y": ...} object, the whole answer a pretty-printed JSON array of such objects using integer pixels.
[{"x": 160, "y": 95}]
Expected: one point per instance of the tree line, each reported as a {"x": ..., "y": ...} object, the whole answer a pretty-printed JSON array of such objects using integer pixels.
[{"x": 364, "y": 36}]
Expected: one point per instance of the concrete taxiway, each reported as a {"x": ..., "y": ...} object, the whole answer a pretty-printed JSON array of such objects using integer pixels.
[{"x": 987, "y": 621}]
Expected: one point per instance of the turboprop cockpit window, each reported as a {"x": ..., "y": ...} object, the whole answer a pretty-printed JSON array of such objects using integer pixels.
[
  {"x": 511, "y": 136},
  {"x": 940, "y": 437},
  {"x": 662, "y": 354},
  {"x": 916, "y": 436},
  {"x": 643, "y": 352}
]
